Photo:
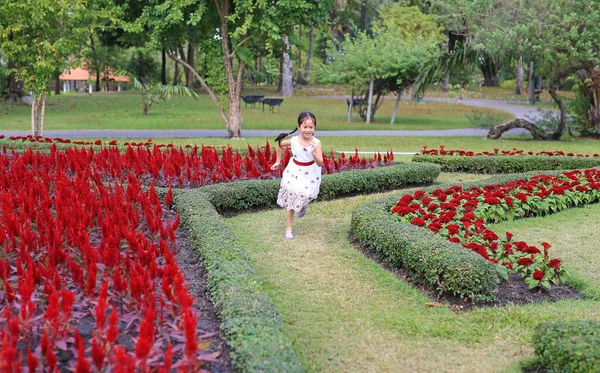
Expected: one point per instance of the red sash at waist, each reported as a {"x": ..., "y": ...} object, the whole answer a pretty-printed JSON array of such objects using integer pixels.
[{"x": 303, "y": 163}]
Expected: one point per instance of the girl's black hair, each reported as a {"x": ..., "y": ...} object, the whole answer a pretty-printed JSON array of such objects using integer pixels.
[{"x": 301, "y": 118}]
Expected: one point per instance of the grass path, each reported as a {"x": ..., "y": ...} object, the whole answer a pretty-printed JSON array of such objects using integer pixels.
[{"x": 345, "y": 313}]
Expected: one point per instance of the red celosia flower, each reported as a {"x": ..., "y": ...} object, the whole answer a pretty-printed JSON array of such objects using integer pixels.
[
  {"x": 509, "y": 236},
  {"x": 98, "y": 353},
  {"x": 418, "y": 221},
  {"x": 538, "y": 275},
  {"x": 554, "y": 263},
  {"x": 525, "y": 262},
  {"x": 508, "y": 265}
]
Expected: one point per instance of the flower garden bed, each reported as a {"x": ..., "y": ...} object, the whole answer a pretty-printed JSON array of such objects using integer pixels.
[
  {"x": 459, "y": 215},
  {"x": 504, "y": 161},
  {"x": 88, "y": 275}
]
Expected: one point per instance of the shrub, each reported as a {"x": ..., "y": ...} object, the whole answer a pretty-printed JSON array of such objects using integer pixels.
[
  {"x": 430, "y": 259},
  {"x": 248, "y": 316},
  {"x": 483, "y": 120},
  {"x": 497, "y": 165},
  {"x": 263, "y": 193},
  {"x": 572, "y": 346},
  {"x": 249, "y": 319}
]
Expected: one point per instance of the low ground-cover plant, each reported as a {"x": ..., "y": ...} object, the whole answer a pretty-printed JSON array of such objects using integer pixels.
[
  {"x": 88, "y": 274},
  {"x": 572, "y": 346},
  {"x": 461, "y": 216}
]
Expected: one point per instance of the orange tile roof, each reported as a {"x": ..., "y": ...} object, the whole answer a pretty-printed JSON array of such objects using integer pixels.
[{"x": 81, "y": 73}]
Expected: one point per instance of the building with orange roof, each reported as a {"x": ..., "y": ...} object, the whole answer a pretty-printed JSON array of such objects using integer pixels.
[{"x": 79, "y": 79}]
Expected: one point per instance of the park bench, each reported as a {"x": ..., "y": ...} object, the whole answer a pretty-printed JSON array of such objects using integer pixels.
[
  {"x": 272, "y": 102},
  {"x": 251, "y": 99}
]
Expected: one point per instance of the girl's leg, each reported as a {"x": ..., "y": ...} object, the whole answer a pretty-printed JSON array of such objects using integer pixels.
[{"x": 289, "y": 216}]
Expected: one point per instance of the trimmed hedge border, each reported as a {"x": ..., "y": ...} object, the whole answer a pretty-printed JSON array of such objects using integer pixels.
[
  {"x": 507, "y": 164},
  {"x": 248, "y": 317},
  {"x": 247, "y": 194},
  {"x": 572, "y": 346},
  {"x": 430, "y": 259}
]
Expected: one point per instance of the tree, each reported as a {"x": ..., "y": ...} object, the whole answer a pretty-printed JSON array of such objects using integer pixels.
[
  {"x": 560, "y": 35},
  {"x": 387, "y": 61},
  {"x": 39, "y": 36},
  {"x": 236, "y": 24},
  {"x": 156, "y": 93}
]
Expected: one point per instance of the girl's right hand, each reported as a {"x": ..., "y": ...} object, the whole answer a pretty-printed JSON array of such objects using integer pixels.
[{"x": 275, "y": 166}]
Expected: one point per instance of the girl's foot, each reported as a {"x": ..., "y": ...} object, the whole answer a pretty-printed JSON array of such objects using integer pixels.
[
  {"x": 302, "y": 212},
  {"x": 288, "y": 235}
]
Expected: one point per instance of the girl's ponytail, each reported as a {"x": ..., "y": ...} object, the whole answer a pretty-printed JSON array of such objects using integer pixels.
[{"x": 283, "y": 135}]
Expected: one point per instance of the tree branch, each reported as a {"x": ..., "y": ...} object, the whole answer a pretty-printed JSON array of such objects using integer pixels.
[{"x": 211, "y": 93}]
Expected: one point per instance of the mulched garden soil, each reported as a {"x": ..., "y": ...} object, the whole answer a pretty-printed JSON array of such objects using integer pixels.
[
  {"x": 514, "y": 291},
  {"x": 197, "y": 283}
]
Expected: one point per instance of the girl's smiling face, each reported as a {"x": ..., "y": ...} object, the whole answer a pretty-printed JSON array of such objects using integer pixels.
[{"x": 307, "y": 128}]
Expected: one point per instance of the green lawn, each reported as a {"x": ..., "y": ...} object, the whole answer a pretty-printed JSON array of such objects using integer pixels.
[
  {"x": 123, "y": 110},
  {"x": 345, "y": 313}
]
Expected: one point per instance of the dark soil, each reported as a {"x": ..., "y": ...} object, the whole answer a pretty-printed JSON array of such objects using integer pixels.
[
  {"x": 197, "y": 283},
  {"x": 514, "y": 291}
]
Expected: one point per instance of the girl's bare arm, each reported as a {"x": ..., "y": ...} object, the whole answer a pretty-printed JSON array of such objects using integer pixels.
[{"x": 280, "y": 146}]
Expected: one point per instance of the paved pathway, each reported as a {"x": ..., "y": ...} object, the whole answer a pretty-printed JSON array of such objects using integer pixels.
[{"x": 519, "y": 111}]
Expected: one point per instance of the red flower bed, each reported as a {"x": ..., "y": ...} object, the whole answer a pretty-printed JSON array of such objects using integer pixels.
[
  {"x": 461, "y": 216},
  {"x": 497, "y": 152},
  {"x": 88, "y": 279},
  {"x": 198, "y": 166}
]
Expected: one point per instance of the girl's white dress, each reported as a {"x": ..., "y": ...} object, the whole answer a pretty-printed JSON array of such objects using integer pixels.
[{"x": 299, "y": 183}]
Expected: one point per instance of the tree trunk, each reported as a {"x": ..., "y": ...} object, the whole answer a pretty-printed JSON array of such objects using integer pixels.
[
  {"x": 189, "y": 76},
  {"x": 57, "y": 86},
  {"x": 497, "y": 131},
  {"x": 163, "y": 67},
  {"x": 234, "y": 123},
  {"x": 176, "y": 74},
  {"x": 42, "y": 114},
  {"x": 560, "y": 129},
  {"x": 363, "y": 15},
  {"x": 280, "y": 80},
  {"x": 446, "y": 84},
  {"x": 311, "y": 40},
  {"x": 519, "y": 88},
  {"x": 145, "y": 109},
  {"x": 38, "y": 110},
  {"x": 15, "y": 88},
  {"x": 490, "y": 73},
  {"x": 287, "y": 75},
  {"x": 350, "y": 107},
  {"x": 370, "y": 100},
  {"x": 396, "y": 107},
  {"x": 184, "y": 58},
  {"x": 97, "y": 81},
  {"x": 34, "y": 116}
]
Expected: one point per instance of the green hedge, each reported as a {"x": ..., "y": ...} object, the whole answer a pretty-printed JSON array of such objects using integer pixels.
[
  {"x": 249, "y": 318},
  {"x": 263, "y": 193},
  {"x": 431, "y": 259},
  {"x": 507, "y": 164},
  {"x": 572, "y": 346}
]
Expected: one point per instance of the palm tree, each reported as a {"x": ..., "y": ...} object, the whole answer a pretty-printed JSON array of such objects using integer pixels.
[{"x": 155, "y": 93}]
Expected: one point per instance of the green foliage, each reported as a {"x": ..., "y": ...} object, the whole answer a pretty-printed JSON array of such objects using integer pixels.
[
  {"x": 251, "y": 322},
  {"x": 156, "y": 93},
  {"x": 393, "y": 55},
  {"x": 507, "y": 164},
  {"x": 247, "y": 194},
  {"x": 572, "y": 346},
  {"x": 430, "y": 259},
  {"x": 483, "y": 120}
]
